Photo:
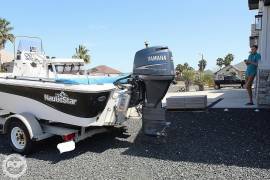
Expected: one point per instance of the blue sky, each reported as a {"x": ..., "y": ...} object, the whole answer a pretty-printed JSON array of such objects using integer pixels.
[{"x": 114, "y": 30}]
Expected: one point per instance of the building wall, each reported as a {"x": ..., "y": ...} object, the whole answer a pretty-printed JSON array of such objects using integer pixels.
[
  {"x": 254, "y": 38},
  {"x": 263, "y": 79},
  {"x": 263, "y": 92},
  {"x": 265, "y": 39}
]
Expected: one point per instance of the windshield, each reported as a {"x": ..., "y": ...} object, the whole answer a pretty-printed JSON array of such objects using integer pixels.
[
  {"x": 74, "y": 68},
  {"x": 29, "y": 46}
]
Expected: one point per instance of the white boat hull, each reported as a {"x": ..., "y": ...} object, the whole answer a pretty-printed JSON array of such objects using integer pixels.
[{"x": 79, "y": 105}]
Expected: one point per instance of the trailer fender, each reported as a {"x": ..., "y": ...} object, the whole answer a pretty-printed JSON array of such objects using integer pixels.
[{"x": 30, "y": 123}]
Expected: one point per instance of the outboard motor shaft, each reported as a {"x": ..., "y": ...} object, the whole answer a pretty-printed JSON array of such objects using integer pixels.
[{"x": 153, "y": 71}]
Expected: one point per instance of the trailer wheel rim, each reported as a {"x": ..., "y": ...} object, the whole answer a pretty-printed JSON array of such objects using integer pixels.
[{"x": 18, "y": 138}]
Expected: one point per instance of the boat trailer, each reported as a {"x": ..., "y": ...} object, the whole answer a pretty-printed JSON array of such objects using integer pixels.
[{"x": 153, "y": 72}]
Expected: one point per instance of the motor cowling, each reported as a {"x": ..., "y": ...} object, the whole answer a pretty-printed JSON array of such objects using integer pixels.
[
  {"x": 153, "y": 72},
  {"x": 154, "y": 61}
]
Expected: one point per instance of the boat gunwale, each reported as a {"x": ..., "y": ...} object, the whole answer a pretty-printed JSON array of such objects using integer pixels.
[{"x": 82, "y": 88}]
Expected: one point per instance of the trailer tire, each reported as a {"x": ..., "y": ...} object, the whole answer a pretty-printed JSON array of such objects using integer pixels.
[{"x": 19, "y": 138}]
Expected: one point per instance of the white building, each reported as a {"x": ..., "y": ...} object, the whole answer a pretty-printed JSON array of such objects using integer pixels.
[
  {"x": 237, "y": 70},
  {"x": 262, "y": 26}
]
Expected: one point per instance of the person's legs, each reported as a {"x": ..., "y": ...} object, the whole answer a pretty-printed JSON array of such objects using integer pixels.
[
  {"x": 246, "y": 81},
  {"x": 249, "y": 83}
]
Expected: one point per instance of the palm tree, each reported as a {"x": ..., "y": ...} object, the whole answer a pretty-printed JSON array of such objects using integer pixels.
[
  {"x": 202, "y": 65},
  {"x": 228, "y": 59},
  {"x": 82, "y": 53},
  {"x": 188, "y": 76},
  {"x": 181, "y": 68},
  {"x": 5, "y": 32},
  {"x": 220, "y": 62}
]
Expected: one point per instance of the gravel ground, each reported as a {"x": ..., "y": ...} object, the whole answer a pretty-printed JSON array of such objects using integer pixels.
[{"x": 200, "y": 145}]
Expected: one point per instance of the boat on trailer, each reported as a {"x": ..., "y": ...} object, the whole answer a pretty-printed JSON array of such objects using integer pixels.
[{"x": 45, "y": 96}]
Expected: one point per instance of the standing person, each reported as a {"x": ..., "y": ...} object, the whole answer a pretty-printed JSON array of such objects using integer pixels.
[{"x": 251, "y": 72}]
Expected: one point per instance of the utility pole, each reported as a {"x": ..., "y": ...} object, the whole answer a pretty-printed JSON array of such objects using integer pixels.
[{"x": 201, "y": 54}]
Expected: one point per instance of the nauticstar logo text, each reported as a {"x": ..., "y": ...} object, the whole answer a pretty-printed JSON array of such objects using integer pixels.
[
  {"x": 157, "y": 58},
  {"x": 61, "y": 98}
]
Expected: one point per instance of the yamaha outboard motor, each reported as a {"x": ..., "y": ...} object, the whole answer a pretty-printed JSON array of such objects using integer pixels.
[{"x": 153, "y": 72}]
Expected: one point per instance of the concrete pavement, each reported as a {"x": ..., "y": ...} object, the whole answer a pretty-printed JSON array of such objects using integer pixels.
[{"x": 224, "y": 98}]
